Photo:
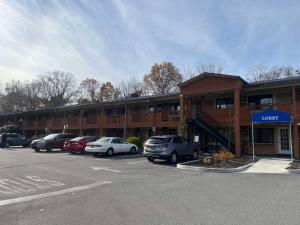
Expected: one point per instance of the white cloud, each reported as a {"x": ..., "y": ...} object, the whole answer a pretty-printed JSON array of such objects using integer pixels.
[{"x": 115, "y": 40}]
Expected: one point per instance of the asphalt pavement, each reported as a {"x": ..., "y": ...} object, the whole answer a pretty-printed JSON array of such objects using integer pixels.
[{"x": 62, "y": 189}]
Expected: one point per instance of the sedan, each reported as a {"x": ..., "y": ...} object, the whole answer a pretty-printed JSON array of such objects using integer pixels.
[
  {"x": 110, "y": 146},
  {"x": 78, "y": 144}
]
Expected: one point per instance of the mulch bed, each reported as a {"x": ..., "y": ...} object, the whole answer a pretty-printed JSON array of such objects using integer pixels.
[
  {"x": 294, "y": 165},
  {"x": 233, "y": 163}
]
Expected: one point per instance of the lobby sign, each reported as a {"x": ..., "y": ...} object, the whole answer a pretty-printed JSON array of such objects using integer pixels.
[{"x": 271, "y": 116}]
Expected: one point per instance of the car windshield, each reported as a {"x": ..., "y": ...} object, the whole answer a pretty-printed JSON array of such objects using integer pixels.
[
  {"x": 77, "y": 139},
  {"x": 103, "y": 140},
  {"x": 158, "y": 140},
  {"x": 50, "y": 136}
]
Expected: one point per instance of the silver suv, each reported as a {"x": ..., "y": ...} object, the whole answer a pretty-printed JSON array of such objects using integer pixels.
[{"x": 169, "y": 147}]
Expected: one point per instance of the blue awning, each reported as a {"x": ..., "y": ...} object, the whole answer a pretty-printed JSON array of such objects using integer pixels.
[{"x": 271, "y": 116}]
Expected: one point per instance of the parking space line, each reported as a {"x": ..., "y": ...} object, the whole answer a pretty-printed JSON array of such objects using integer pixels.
[
  {"x": 50, "y": 194},
  {"x": 106, "y": 169},
  {"x": 137, "y": 162}
]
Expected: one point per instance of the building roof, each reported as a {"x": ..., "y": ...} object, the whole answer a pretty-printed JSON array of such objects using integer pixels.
[
  {"x": 206, "y": 74},
  {"x": 282, "y": 82},
  {"x": 122, "y": 101}
]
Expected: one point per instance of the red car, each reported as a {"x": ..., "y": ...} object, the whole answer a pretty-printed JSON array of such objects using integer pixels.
[{"x": 77, "y": 145}]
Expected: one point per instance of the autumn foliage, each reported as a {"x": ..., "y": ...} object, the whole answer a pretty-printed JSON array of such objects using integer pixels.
[{"x": 163, "y": 78}]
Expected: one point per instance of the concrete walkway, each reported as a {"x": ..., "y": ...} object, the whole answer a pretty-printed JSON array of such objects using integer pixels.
[{"x": 269, "y": 165}]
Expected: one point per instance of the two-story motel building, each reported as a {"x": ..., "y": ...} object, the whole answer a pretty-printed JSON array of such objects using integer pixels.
[{"x": 216, "y": 108}]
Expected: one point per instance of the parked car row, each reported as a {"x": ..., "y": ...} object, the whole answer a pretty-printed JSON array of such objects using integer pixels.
[{"x": 168, "y": 147}]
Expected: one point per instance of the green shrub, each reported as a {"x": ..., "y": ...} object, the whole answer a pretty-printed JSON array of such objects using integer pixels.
[
  {"x": 136, "y": 141},
  {"x": 10, "y": 128}
]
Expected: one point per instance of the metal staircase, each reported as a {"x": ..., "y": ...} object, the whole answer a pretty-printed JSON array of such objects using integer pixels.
[{"x": 219, "y": 137}]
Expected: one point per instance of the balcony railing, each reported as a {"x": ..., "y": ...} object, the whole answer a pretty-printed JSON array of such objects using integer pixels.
[
  {"x": 114, "y": 119},
  {"x": 57, "y": 122},
  {"x": 281, "y": 106},
  {"x": 139, "y": 117},
  {"x": 170, "y": 116},
  {"x": 91, "y": 120},
  {"x": 73, "y": 121}
]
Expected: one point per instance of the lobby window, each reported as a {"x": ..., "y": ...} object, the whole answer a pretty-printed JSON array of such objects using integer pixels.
[
  {"x": 262, "y": 135},
  {"x": 224, "y": 103},
  {"x": 260, "y": 101}
]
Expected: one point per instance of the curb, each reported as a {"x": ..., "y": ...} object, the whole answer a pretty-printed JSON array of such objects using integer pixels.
[
  {"x": 292, "y": 171},
  {"x": 218, "y": 170}
]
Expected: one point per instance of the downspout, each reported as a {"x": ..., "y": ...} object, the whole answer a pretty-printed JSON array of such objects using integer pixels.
[{"x": 125, "y": 119}]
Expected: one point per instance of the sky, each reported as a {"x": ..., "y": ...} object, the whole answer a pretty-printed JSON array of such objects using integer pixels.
[{"x": 117, "y": 40}]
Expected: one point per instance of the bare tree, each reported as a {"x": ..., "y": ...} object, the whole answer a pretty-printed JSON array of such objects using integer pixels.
[
  {"x": 261, "y": 72},
  {"x": 131, "y": 87},
  {"x": 56, "y": 88},
  {"x": 163, "y": 78},
  {"x": 89, "y": 90},
  {"x": 20, "y": 96},
  {"x": 191, "y": 72}
]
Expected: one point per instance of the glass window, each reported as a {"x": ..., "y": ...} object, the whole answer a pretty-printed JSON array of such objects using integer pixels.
[
  {"x": 51, "y": 136},
  {"x": 116, "y": 141},
  {"x": 224, "y": 103},
  {"x": 158, "y": 108},
  {"x": 260, "y": 101},
  {"x": 122, "y": 141},
  {"x": 183, "y": 140},
  {"x": 78, "y": 139},
  {"x": 151, "y": 108},
  {"x": 103, "y": 140},
  {"x": 262, "y": 135},
  {"x": 158, "y": 140},
  {"x": 174, "y": 107},
  {"x": 177, "y": 140}
]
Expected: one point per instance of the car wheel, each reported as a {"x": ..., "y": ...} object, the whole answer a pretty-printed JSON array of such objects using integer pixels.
[
  {"x": 37, "y": 149},
  {"x": 133, "y": 150},
  {"x": 48, "y": 148},
  {"x": 7, "y": 145},
  {"x": 173, "y": 158},
  {"x": 110, "y": 152},
  {"x": 195, "y": 154},
  {"x": 150, "y": 159}
]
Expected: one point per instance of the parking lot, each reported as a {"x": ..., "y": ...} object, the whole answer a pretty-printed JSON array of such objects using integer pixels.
[{"x": 60, "y": 188}]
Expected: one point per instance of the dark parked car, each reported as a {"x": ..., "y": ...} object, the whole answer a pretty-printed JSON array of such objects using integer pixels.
[
  {"x": 169, "y": 147},
  {"x": 78, "y": 144},
  {"x": 51, "y": 141},
  {"x": 14, "y": 139}
]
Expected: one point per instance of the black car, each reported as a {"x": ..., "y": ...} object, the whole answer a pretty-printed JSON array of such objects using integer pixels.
[{"x": 14, "y": 139}]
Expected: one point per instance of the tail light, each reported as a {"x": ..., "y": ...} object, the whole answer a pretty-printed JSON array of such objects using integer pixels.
[{"x": 164, "y": 146}]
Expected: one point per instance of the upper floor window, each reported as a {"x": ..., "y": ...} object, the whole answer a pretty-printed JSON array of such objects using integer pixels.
[
  {"x": 260, "y": 101},
  {"x": 224, "y": 103},
  {"x": 174, "y": 107},
  {"x": 151, "y": 108}
]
